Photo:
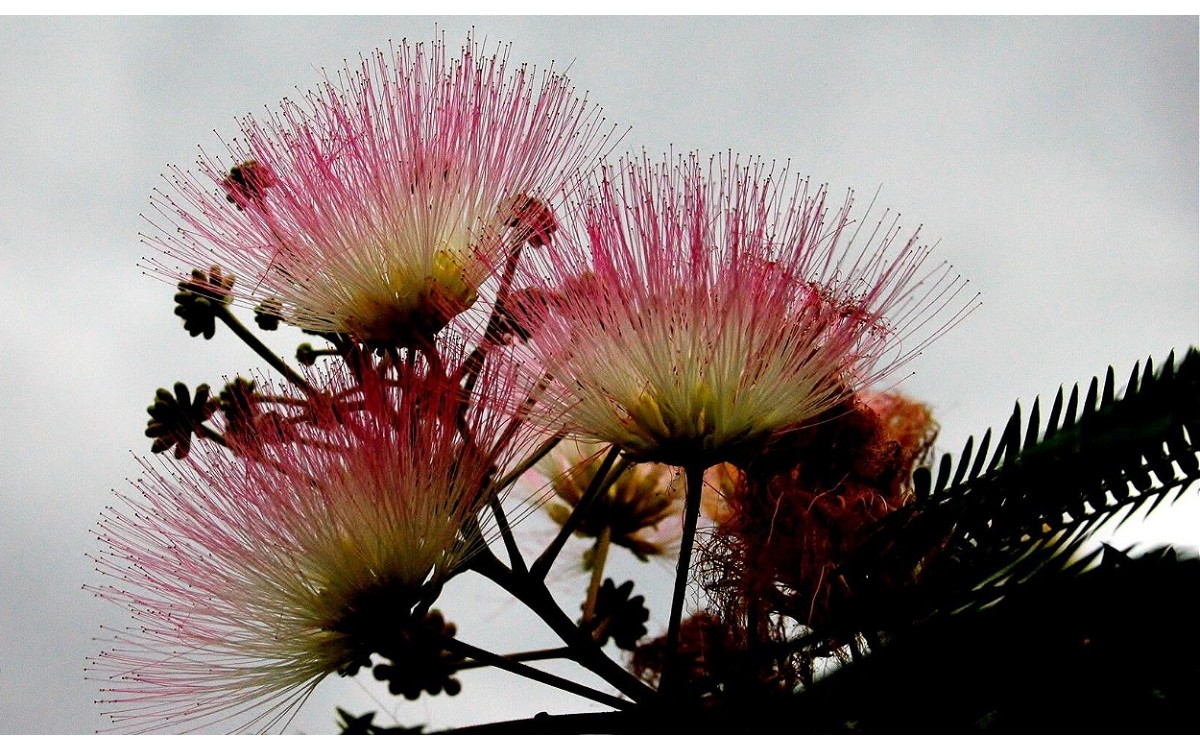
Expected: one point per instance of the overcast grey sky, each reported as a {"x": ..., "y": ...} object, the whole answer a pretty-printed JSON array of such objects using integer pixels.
[{"x": 1054, "y": 159}]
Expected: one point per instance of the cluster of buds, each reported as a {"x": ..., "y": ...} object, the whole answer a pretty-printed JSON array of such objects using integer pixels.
[{"x": 687, "y": 333}]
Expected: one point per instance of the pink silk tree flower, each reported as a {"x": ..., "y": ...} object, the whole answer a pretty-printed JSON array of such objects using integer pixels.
[
  {"x": 254, "y": 572},
  {"x": 377, "y": 205},
  {"x": 640, "y": 510},
  {"x": 708, "y": 310}
]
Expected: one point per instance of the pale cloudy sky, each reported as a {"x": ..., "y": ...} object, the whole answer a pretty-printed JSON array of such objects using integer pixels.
[{"x": 1054, "y": 159}]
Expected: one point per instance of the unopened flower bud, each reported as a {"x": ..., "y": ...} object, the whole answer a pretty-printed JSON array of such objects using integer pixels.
[
  {"x": 198, "y": 297},
  {"x": 619, "y": 615},
  {"x": 268, "y": 314},
  {"x": 247, "y": 183},
  {"x": 532, "y": 219},
  {"x": 175, "y": 416},
  {"x": 306, "y": 355}
]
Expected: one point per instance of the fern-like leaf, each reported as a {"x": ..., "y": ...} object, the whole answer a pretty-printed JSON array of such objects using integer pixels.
[
  {"x": 1108, "y": 459},
  {"x": 1045, "y": 485}
]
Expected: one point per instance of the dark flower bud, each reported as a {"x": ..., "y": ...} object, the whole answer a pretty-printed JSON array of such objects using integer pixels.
[
  {"x": 239, "y": 404},
  {"x": 247, "y": 184},
  {"x": 419, "y": 662},
  {"x": 247, "y": 421},
  {"x": 268, "y": 314},
  {"x": 619, "y": 616},
  {"x": 199, "y": 297},
  {"x": 306, "y": 355},
  {"x": 176, "y": 416},
  {"x": 532, "y": 218}
]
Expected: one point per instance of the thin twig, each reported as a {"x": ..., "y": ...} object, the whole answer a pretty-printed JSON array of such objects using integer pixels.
[
  {"x": 261, "y": 349},
  {"x": 542, "y": 565},
  {"x": 528, "y": 462},
  {"x": 535, "y": 674},
  {"x": 599, "y": 557},
  {"x": 473, "y": 364},
  {"x": 532, "y": 592},
  {"x": 510, "y": 542},
  {"x": 562, "y": 652}
]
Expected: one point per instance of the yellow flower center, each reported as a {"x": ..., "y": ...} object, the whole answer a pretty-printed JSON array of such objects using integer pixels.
[{"x": 409, "y": 307}]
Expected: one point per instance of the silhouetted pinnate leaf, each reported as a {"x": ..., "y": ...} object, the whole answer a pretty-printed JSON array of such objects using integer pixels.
[{"x": 1107, "y": 458}]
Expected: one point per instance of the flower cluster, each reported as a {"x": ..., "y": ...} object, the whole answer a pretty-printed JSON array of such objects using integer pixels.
[{"x": 488, "y": 291}]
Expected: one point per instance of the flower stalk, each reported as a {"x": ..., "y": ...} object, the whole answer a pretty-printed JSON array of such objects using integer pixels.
[
  {"x": 531, "y": 591},
  {"x": 247, "y": 336},
  {"x": 599, "y": 558},
  {"x": 542, "y": 565},
  {"x": 695, "y": 483},
  {"x": 522, "y": 669}
]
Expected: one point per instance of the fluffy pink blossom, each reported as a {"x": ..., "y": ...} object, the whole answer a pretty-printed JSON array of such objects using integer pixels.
[
  {"x": 253, "y": 573},
  {"x": 640, "y": 509},
  {"x": 378, "y": 204},
  {"x": 643, "y": 506},
  {"x": 707, "y": 309}
]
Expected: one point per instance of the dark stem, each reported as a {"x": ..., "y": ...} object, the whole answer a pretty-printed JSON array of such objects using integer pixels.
[
  {"x": 599, "y": 558},
  {"x": 473, "y": 364},
  {"x": 463, "y": 395},
  {"x": 532, "y": 673},
  {"x": 542, "y": 565},
  {"x": 671, "y": 666},
  {"x": 510, "y": 542},
  {"x": 606, "y": 722},
  {"x": 532, "y": 592},
  {"x": 527, "y": 463},
  {"x": 493, "y": 500},
  {"x": 519, "y": 416},
  {"x": 261, "y": 350},
  {"x": 428, "y": 349},
  {"x": 561, "y": 652}
]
